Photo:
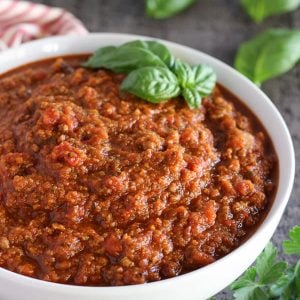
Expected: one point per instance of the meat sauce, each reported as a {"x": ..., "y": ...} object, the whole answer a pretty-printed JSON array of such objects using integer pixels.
[{"x": 98, "y": 187}]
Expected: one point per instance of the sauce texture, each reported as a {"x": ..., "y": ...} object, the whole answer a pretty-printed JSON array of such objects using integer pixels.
[{"x": 98, "y": 187}]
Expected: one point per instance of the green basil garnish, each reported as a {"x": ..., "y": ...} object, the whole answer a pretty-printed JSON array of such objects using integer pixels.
[
  {"x": 123, "y": 59},
  {"x": 156, "y": 48},
  {"x": 196, "y": 82},
  {"x": 268, "y": 55},
  {"x": 258, "y": 10},
  {"x": 162, "y": 9},
  {"x": 183, "y": 71},
  {"x": 203, "y": 79},
  {"x": 154, "y": 84},
  {"x": 192, "y": 97},
  {"x": 154, "y": 74}
]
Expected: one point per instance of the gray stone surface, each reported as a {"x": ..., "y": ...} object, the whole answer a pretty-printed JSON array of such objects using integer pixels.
[{"x": 216, "y": 27}]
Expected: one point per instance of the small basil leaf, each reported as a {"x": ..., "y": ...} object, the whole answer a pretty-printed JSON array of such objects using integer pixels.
[
  {"x": 198, "y": 81},
  {"x": 123, "y": 59},
  {"x": 156, "y": 48},
  {"x": 162, "y": 9},
  {"x": 154, "y": 84},
  {"x": 258, "y": 10},
  {"x": 204, "y": 79},
  {"x": 183, "y": 72},
  {"x": 192, "y": 97},
  {"x": 268, "y": 55}
]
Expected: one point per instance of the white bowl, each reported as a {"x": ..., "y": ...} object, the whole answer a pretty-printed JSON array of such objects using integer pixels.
[{"x": 199, "y": 284}]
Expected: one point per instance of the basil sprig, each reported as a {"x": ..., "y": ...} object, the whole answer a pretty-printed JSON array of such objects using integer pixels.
[
  {"x": 196, "y": 82},
  {"x": 268, "y": 55},
  {"x": 154, "y": 74}
]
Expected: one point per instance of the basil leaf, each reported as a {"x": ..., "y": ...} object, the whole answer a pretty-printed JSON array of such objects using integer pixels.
[
  {"x": 96, "y": 58},
  {"x": 258, "y": 10},
  {"x": 156, "y": 48},
  {"x": 123, "y": 59},
  {"x": 203, "y": 79},
  {"x": 268, "y": 55},
  {"x": 162, "y": 9},
  {"x": 200, "y": 77},
  {"x": 154, "y": 84},
  {"x": 192, "y": 97},
  {"x": 196, "y": 82},
  {"x": 183, "y": 72}
]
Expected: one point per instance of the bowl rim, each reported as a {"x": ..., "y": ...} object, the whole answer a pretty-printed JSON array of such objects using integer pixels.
[{"x": 274, "y": 211}]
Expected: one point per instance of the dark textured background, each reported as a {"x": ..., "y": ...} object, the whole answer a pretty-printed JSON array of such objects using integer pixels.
[{"x": 216, "y": 27}]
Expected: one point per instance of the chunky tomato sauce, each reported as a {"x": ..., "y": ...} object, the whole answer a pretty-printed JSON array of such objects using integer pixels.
[{"x": 98, "y": 187}]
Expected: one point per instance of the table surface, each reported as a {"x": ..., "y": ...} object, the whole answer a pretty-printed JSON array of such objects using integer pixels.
[{"x": 216, "y": 27}]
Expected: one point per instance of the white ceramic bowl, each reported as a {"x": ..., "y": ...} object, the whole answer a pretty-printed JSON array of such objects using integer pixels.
[{"x": 199, "y": 284}]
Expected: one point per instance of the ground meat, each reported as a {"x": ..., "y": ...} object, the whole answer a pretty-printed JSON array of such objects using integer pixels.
[{"x": 98, "y": 187}]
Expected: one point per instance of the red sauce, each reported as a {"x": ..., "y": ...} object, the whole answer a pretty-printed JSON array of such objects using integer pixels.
[{"x": 98, "y": 187}]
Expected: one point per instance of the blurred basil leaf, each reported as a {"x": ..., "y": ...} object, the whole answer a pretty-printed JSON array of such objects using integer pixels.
[
  {"x": 162, "y": 9},
  {"x": 268, "y": 55},
  {"x": 258, "y": 10}
]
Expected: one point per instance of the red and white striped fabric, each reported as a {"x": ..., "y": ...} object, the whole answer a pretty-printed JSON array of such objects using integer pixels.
[{"x": 21, "y": 21}]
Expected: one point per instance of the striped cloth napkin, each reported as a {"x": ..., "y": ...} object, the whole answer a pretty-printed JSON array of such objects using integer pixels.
[{"x": 22, "y": 21}]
